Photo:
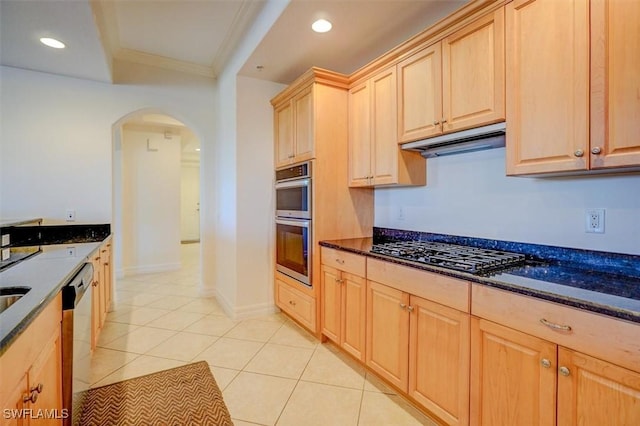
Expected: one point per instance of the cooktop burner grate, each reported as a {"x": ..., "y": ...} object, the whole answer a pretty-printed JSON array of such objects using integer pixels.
[{"x": 452, "y": 256}]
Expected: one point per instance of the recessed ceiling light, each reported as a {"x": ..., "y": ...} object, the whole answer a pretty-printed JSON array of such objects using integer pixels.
[
  {"x": 321, "y": 26},
  {"x": 52, "y": 42}
]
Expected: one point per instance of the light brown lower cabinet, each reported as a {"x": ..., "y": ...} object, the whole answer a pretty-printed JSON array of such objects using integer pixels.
[
  {"x": 31, "y": 372},
  {"x": 519, "y": 379},
  {"x": 295, "y": 303},
  {"x": 420, "y": 347},
  {"x": 343, "y": 309}
]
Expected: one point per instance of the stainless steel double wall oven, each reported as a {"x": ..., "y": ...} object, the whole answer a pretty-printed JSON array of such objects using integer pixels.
[{"x": 294, "y": 222}]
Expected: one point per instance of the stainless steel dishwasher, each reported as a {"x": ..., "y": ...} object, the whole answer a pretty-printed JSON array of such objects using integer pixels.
[{"x": 76, "y": 342}]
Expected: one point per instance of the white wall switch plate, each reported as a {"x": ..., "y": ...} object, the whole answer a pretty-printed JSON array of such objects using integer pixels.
[{"x": 71, "y": 216}]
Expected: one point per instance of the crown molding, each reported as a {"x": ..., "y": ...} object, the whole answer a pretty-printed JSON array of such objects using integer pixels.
[{"x": 137, "y": 57}]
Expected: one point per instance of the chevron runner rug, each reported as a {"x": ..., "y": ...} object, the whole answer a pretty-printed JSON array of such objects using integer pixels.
[{"x": 186, "y": 395}]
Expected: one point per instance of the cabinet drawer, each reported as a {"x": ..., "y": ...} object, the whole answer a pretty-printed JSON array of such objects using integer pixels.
[
  {"x": 348, "y": 262},
  {"x": 428, "y": 285},
  {"x": 603, "y": 337},
  {"x": 297, "y": 304}
]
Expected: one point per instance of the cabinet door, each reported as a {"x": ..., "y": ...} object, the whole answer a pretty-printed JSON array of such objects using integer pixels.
[
  {"x": 547, "y": 90},
  {"x": 420, "y": 95},
  {"x": 592, "y": 392},
  {"x": 96, "y": 316},
  {"x": 46, "y": 373},
  {"x": 359, "y": 136},
  {"x": 513, "y": 377},
  {"x": 331, "y": 290},
  {"x": 354, "y": 302},
  {"x": 283, "y": 117},
  {"x": 615, "y": 83},
  {"x": 15, "y": 403},
  {"x": 473, "y": 74},
  {"x": 388, "y": 333},
  {"x": 107, "y": 275},
  {"x": 304, "y": 132},
  {"x": 439, "y": 360},
  {"x": 384, "y": 133}
]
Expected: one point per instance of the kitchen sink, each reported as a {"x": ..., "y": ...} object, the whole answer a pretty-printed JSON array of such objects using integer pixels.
[{"x": 10, "y": 295}]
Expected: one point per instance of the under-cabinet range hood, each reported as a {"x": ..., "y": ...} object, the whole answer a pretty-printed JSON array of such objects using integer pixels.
[{"x": 485, "y": 137}]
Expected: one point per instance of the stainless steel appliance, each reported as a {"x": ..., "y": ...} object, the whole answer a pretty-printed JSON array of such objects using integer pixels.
[
  {"x": 293, "y": 192},
  {"x": 451, "y": 256},
  {"x": 293, "y": 248},
  {"x": 293, "y": 222},
  {"x": 76, "y": 342}
]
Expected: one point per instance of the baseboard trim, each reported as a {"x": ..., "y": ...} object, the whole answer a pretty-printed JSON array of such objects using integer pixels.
[{"x": 244, "y": 312}]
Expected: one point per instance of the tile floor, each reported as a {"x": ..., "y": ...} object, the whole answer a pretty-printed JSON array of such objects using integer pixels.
[{"x": 270, "y": 370}]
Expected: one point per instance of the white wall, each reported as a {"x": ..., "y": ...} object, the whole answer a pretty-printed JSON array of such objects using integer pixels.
[
  {"x": 151, "y": 201},
  {"x": 56, "y": 137},
  {"x": 242, "y": 293},
  {"x": 469, "y": 194}
]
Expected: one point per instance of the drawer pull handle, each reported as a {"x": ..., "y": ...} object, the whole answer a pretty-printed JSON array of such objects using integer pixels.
[
  {"x": 545, "y": 363},
  {"x": 36, "y": 388},
  {"x": 340, "y": 261},
  {"x": 292, "y": 303},
  {"x": 564, "y": 371},
  {"x": 555, "y": 326}
]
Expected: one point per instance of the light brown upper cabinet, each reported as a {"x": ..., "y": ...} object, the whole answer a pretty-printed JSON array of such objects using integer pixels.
[
  {"x": 294, "y": 128},
  {"x": 455, "y": 84},
  {"x": 374, "y": 156},
  {"x": 571, "y": 105},
  {"x": 615, "y": 83}
]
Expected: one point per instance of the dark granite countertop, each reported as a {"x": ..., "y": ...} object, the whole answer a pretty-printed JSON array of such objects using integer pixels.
[
  {"x": 45, "y": 273},
  {"x": 580, "y": 286},
  {"x": 18, "y": 222}
]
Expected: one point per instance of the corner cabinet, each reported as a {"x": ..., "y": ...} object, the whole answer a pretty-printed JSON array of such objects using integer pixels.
[
  {"x": 572, "y": 91},
  {"x": 454, "y": 84},
  {"x": 294, "y": 132},
  {"x": 375, "y": 158}
]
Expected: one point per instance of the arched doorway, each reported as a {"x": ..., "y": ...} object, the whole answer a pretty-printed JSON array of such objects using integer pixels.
[{"x": 153, "y": 154}]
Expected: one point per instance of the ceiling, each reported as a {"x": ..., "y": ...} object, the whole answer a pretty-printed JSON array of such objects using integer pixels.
[{"x": 199, "y": 36}]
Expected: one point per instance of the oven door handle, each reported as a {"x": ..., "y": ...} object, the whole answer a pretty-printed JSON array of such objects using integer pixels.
[
  {"x": 293, "y": 184},
  {"x": 293, "y": 222}
]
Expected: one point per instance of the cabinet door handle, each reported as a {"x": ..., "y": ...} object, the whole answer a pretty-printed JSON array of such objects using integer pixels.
[
  {"x": 596, "y": 150},
  {"x": 435, "y": 123},
  {"x": 403, "y": 306},
  {"x": 37, "y": 388},
  {"x": 564, "y": 371},
  {"x": 410, "y": 308},
  {"x": 578, "y": 153},
  {"x": 340, "y": 261},
  {"x": 555, "y": 326},
  {"x": 33, "y": 397},
  {"x": 444, "y": 120},
  {"x": 545, "y": 363}
]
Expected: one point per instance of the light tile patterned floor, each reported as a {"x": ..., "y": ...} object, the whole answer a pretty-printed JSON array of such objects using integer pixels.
[{"x": 270, "y": 370}]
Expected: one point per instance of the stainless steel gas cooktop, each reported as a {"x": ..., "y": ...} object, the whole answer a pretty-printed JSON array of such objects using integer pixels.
[{"x": 451, "y": 256}]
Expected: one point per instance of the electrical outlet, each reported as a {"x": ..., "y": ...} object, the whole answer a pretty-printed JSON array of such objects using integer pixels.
[
  {"x": 594, "y": 221},
  {"x": 71, "y": 251},
  {"x": 71, "y": 216}
]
